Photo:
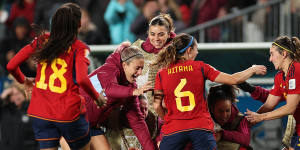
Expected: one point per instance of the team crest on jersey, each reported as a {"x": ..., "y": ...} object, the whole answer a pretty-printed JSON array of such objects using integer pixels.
[{"x": 292, "y": 84}]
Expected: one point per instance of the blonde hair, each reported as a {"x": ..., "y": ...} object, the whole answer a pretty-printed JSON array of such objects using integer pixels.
[{"x": 130, "y": 53}]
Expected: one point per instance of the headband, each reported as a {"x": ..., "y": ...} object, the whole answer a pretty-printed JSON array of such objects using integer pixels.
[
  {"x": 182, "y": 50},
  {"x": 138, "y": 54},
  {"x": 283, "y": 48}
]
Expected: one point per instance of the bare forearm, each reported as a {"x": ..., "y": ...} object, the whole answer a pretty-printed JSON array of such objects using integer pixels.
[
  {"x": 243, "y": 75},
  {"x": 264, "y": 109},
  {"x": 278, "y": 113}
]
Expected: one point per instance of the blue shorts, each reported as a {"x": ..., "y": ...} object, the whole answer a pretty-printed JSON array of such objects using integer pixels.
[
  {"x": 200, "y": 139},
  {"x": 295, "y": 142},
  {"x": 97, "y": 131},
  {"x": 48, "y": 133}
]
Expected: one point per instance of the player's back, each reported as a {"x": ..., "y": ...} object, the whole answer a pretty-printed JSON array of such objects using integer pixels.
[
  {"x": 183, "y": 85},
  {"x": 56, "y": 95}
]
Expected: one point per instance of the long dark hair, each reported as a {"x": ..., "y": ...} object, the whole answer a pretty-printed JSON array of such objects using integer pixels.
[
  {"x": 172, "y": 53},
  {"x": 64, "y": 29},
  {"x": 220, "y": 93},
  {"x": 291, "y": 45}
]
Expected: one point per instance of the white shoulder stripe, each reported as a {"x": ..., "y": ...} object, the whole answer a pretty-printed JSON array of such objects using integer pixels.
[{"x": 96, "y": 84}]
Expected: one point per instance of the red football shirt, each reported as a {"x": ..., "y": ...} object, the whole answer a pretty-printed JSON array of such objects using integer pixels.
[
  {"x": 183, "y": 85},
  {"x": 289, "y": 85},
  {"x": 55, "y": 95}
]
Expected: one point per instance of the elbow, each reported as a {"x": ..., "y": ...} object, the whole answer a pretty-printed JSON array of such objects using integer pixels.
[{"x": 10, "y": 68}]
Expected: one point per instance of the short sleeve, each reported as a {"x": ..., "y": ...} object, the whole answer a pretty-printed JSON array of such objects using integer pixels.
[
  {"x": 276, "y": 88},
  {"x": 293, "y": 84},
  {"x": 210, "y": 72},
  {"x": 83, "y": 54}
]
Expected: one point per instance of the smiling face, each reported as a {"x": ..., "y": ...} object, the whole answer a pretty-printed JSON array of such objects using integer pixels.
[
  {"x": 276, "y": 58},
  {"x": 222, "y": 111},
  {"x": 158, "y": 36},
  {"x": 133, "y": 69}
]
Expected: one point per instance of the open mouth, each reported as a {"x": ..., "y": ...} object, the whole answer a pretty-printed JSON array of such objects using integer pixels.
[
  {"x": 157, "y": 44},
  {"x": 134, "y": 78}
]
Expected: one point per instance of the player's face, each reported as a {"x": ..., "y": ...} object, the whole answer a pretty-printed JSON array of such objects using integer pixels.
[
  {"x": 222, "y": 111},
  {"x": 158, "y": 36},
  {"x": 133, "y": 69},
  {"x": 276, "y": 58},
  {"x": 144, "y": 107},
  {"x": 194, "y": 52}
]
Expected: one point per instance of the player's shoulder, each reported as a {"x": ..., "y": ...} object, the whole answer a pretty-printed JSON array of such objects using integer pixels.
[
  {"x": 279, "y": 75},
  {"x": 80, "y": 45},
  {"x": 196, "y": 64}
]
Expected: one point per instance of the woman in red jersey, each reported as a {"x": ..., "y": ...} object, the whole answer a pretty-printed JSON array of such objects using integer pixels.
[
  {"x": 285, "y": 55},
  {"x": 180, "y": 84},
  {"x": 261, "y": 94},
  {"x": 234, "y": 131},
  {"x": 56, "y": 106}
]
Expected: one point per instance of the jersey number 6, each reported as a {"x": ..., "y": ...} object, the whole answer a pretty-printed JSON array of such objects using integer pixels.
[
  {"x": 57, "y": 73},
  {"x": 179, "y": 94}
]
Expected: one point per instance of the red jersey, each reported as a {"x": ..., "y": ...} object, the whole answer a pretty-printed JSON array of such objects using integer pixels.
[
  {"x": 290, "y": 84},
  {"x": 183, "y": 85},
  {"x": 55, "y": 95}
]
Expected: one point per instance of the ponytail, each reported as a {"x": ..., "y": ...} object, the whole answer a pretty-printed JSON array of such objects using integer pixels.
[
  {"x": 296, "y": 46},
  {"x": 163, "y": 20},
  {"x": 291, "y": 45}
]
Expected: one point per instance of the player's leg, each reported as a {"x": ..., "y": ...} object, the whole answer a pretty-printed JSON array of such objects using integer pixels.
[
  {"x": 76, "y": 133},
  {"x": 99, "y": 143},
  {"x": 175, "y": 141},
  {"x": 202, "y": 140},
  {"x": 98, "y": 140},
  {"x": 46, "y": 134},
  {"x": 63, "y": 144}
]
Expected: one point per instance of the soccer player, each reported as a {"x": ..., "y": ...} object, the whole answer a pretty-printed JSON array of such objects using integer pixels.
[
  {"x": 118, "y": 76},
  {"x": 261, "y": 94},
  {"x": 181, "y": 85},
  {"x": 285, "y": 55},
  {"x": 56, "y": 105}
]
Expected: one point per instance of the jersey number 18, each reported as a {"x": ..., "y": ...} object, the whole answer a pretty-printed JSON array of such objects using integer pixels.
[{"x": 57, "y": 74}]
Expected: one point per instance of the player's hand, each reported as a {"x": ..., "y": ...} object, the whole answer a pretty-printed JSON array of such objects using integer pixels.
[
  {"x": 254, "y": 117},
  {"x": 101, "y": 101},
  {"x": 145, "y": 88},
  {"x": 126, "y": 43},
  {"x": 28, "y": 85},
  {"x": 259, "y": 69}
]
